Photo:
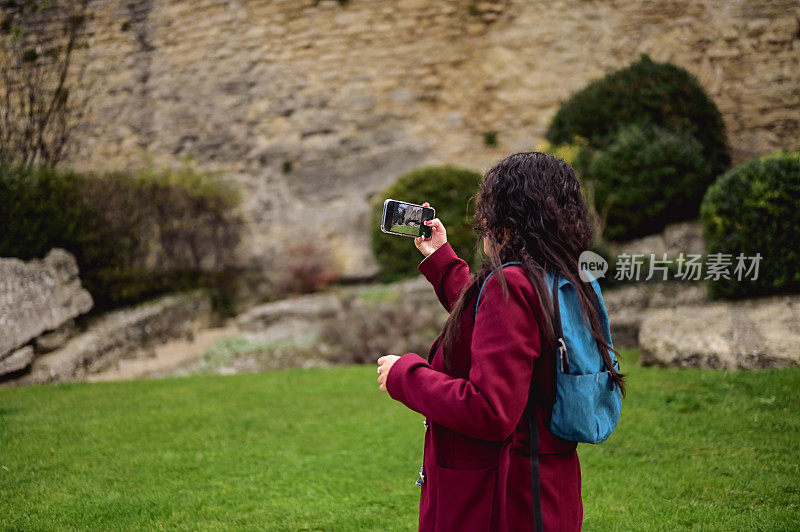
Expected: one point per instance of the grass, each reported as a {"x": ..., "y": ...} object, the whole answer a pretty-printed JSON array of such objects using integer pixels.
[
  {"x": 406, "y": 230},
  {"x": 264, "y": 354},
  {"x": 322, "y": 449},
  {"x": 380, "y": 293}
]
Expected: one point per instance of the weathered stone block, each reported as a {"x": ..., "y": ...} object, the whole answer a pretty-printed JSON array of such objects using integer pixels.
[
  {"x": 628, "y": 305},
  {"x": 52, "y": 340},
  {"x": 307, "y": 307},
  {"x": 757, "y": 333},
  {"x": 38, "y": 296},
  {"x": 120, "y": 334},
  {"x": 16, "y": 361}
]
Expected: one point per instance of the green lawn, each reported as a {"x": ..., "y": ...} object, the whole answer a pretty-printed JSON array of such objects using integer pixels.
[
  {"x": 406, "y": 230},
  {"x": 323, "y": 449}
]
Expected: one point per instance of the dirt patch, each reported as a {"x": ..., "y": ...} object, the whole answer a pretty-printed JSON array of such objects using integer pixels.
[{"x": 168, "y": 358}]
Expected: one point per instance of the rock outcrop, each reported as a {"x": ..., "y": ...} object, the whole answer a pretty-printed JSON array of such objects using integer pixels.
[
  {"x": 16, "y": 360},
  {"x": 628, "y": 305},
  {"x": 36, "y": 296},
  {"x": 121, "y": 334},
  {"x": 756, "y": 333},
  {"x": 352, "y": 324},
  {"x": 289, "y": 318},
  {"x": 676, "y": 238}
]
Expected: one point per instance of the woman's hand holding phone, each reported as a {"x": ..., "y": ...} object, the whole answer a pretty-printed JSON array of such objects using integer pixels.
[{"x": 437, "y": 239}]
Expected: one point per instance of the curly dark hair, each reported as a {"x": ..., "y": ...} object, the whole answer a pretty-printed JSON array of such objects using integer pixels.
[{"x": 531, "y": 207}]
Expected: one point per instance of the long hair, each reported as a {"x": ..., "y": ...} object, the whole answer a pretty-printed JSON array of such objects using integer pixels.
[{"x": 531, "y": 207}]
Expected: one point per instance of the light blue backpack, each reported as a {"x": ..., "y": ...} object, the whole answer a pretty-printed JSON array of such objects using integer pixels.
[{"x": 587, "y": 404}]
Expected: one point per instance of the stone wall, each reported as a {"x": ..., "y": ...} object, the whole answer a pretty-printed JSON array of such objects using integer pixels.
[{"x": 314, "y": 105}]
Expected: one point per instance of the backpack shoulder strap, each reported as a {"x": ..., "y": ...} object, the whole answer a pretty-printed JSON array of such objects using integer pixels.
[{"x": 480, "y": 293}]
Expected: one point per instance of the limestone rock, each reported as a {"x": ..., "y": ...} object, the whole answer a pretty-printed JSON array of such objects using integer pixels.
[
  {"x": 350, "y": 324},
  {"x": 684, "y": 237},
  {"x": 757, "y": 333},
  {"x": 121, "y": 334},
  {"x": 681, "y": 237},
  {"x": 304, "y": 318},
  {"x": 52, "y": 340},
  {"x": 627, "y": 305},
  {"x": 16, "y": 361},
  {"x": 38, "y": 296},
  {"x": 398, "y": 318},
  {"x": 625, "y": 325},
  {"x": 310, "y": 306}
]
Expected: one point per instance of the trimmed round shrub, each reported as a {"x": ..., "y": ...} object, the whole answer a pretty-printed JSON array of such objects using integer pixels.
[
  {"x": 449, "y": 190},
  {"x": 755, "y": 208},
  {"x": 646, "y": 178},
  {"x": 646, "y": 92}
]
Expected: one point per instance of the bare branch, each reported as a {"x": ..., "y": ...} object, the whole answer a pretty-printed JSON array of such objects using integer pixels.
[{"x": 38, "y": 41}]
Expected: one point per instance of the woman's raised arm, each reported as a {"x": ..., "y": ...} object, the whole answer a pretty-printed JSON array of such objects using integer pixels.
[{"x": 441, "y": 266}]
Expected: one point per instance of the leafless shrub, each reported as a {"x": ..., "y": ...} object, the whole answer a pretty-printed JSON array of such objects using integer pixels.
[
  {"x": 369, "y": 329},
  {"x": 38, "y": 106},
  {"x": 309, "y": 269}
]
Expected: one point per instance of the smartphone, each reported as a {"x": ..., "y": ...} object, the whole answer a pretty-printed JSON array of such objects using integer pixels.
[{"x": 406, "y": 219}]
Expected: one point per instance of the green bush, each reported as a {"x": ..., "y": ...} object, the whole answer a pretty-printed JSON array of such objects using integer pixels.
[
  {"x": 41, "y": 208},
  {"x": 646, "y": 142},
  {"x": 646, "y": 178},
  {"x": 755, "y": 208},
  {"x": 646, "y": 92},
  {"x": 449, "y": 190},
  {"x": 133, "y": 236}
]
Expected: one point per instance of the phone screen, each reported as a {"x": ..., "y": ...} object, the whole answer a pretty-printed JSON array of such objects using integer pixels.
[{"x": 406, "y": 218}]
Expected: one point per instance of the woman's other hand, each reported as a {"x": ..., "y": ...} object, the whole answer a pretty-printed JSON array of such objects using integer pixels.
[
  {"x": 385, "y": 364},
  {"x": 437, "y": 239}
]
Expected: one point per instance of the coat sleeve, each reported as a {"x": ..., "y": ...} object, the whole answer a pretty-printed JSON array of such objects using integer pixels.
[
  {"x": 447, "y": 273},
  {"x": 490, "y": 402}
]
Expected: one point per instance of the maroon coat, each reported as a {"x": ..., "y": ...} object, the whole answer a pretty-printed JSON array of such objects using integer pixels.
[{"x": 476, "y": 460}]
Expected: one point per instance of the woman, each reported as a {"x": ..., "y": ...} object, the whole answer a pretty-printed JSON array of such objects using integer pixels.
[{"x": 474, "y": 387}]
